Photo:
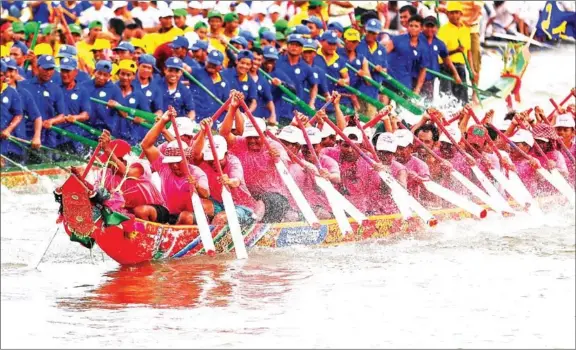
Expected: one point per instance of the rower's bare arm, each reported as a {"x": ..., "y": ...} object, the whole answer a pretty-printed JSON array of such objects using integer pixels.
[
  {"x": 420, "y": 82},
  {"x": 389, "y": 46},
  {"x": 313, "y": 94},
  {"x": 403, "y": 178},
  {"x": 37, "y": 133},
  {"x": 231, "y": 116},
  {"x": 199, "y": 142},
  {"x": 448, "y": 62},
  {"x": 150, "y": 151},
  {"x": 340, "y": 119}
]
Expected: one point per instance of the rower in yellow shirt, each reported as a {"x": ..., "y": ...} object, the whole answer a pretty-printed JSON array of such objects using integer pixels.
[{"x": 456, "y": 36}]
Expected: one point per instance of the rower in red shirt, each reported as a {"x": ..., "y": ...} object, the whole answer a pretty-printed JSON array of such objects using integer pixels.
[{"x": 128, "y": 176}]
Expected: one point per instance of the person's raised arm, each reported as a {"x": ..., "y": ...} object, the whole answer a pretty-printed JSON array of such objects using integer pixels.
[
  {"x": 198, "y": 144},
  {"x": 152, "y": 152},
  {"x": 226, "y": 126}
]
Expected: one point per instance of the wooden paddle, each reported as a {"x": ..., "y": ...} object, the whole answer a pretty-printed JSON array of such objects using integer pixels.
[
  {"x": 199, "y": 214},
  {"x": 296, "y": 193},
  {"x": 229, "y": 207}
]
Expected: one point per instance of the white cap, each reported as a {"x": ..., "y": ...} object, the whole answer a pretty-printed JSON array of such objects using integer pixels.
[
  {"x": 174, "y": 5},
  {"x": 208, "y": 5},
  {"x": 172, "y": 152},
  {"x": 314, "y": 135},
  {"x": 404, "y": 137},
  {"x": 242, "y": 9},
  {"x": 259, "y": 7},
  {"x": 564, "y": 121},
  {"x": 454, "y": 132},
  {"x": 352, "y": 130},
  {"x": 118, "y": 4},
  {"x": 250, "y": 130},
  {"x": 185, "y": 127},
  {"x": 220, "y": 145},
  {"x": 195, "y": 5},
  {"x": 274, "y": 8},
  {"x": 326, "y": 131},
  {"x": 291, "y": 134},
  {"x": 386, "y": 142},
  {"x": 165, "y": 12},
  {"x": 522, "y": 135}
]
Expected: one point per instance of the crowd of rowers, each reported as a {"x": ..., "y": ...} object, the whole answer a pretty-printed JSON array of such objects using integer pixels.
[{"x": 259, "y": 192}]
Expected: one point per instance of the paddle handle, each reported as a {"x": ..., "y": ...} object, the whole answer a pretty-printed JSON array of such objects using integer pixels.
[
  {"x": 379, "y": 116},
  {"x": 352, "y": 144},
  {"x": 443, "y": 129},
  {"x": 421, "y": 144},
  {"x": 323, "y": 108},
  {"x": 293, "y": 156},
  {"x": 91, "y": 161},
  {"x": 561, "y": 103},
  {"x": 490, "y": 141},
  {"x": 536, "y": 145},
  {"x": 208, "y": 133}
]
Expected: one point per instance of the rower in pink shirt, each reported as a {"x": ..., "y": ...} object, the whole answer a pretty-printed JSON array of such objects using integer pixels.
[
  {"x": 546, "y": 137},
  {"x": 247, "y": 208},
  {"x": 446, "y": 150},
  {"x": 305, "y": 178},
  {"x": 526, "y": 168},
  {"x": 175, "y": 186},
  {"x": 565, "y": 128},
  {"x": 418, "y": 170},
  {"x": 264, "y": 182},
  {"x": 358, "y": 177},
  {"x": 386, "y": 146}
]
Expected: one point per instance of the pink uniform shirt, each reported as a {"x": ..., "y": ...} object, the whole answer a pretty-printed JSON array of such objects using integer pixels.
[
  {"x": 176, "y": 190},
  {"x": 307, "y": 183},
  {"x": 233, "y": 169},
  {"x": 262, "y": 175},
  {"x": 422, "y": 170}
]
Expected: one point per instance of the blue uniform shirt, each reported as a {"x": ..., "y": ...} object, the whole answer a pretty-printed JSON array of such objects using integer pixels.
[
  {"x": 408, "y": 60},
  {"x": 436, "y": 49},
  {"x": 77, "y": 100},
  {"x": 10, "y": 106},
  {"x": 219, "y": 87},
  {"x": 247, "y": 86},
  {"x": 334, "y": 67},
  {"x": 284, "y": 110},
  {"x": 31, "y": 113},
  {"x": 152, "y": 94},
  {"x": 50, "y": 101},
  {"x": 181, "y": 98},
  {"x": 377, "y": 55},
  {"x": 102, "y": 117},
  {"x": 301, "y": 75},
  {"x": 129, "y": 131},
  {"x": 264, "y": 96}
]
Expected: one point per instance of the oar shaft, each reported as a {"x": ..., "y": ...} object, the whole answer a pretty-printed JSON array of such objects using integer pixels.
[
  {"x": 561, "y": 104},
  {"x": 91, "y": 161}
]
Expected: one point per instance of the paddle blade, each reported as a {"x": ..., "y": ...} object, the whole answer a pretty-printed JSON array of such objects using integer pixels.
[
  {"x": 301, "y": 202},
  {"x": 203, "y": 227},
  {"x": 234, "y": 225},
  {"x": 455, "y": 199}
]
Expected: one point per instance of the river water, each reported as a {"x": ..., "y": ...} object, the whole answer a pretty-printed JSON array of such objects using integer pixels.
[{"x": 496, "y": 283}]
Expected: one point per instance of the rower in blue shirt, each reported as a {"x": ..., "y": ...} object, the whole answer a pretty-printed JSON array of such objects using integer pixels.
[
  {"x": 375, "y": 53},
  {"x": 300, "y": 73},
  {"x": 210, "y": 77},
  {"x": 410, "y": 56},
  {"x": 11, "y": 111},
  {"x": 103, "y": 117},
  {"x": 129, "y": 130},
  {"x": 48, "y": 96},
  {"x": 70, "y": 52},
  {"x": 239, "y": 80},
  {"x": 436, "y": 50},
  {"x": 180, "y": 48},
  {"x": 148, "y": 84},
  {"x": 174, "y": 93},
  {"x": 309, "y": 52},
  {"x": 31, "y": 127},
  {"x": 356, "y": 60},
  {"x": 332, "y": 64},
  {"x": 264, "y": 105},
  {"x": 77, "y": 102},
  {"x": 284, "y": 110}
]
